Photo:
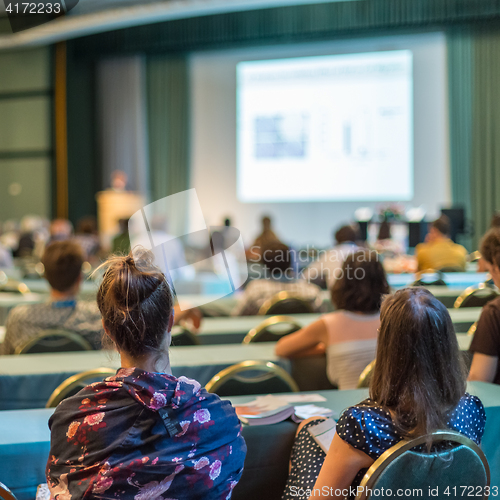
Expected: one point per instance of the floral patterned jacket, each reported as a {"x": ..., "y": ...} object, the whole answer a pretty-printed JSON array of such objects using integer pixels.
[{"x": 144, "y": 436}]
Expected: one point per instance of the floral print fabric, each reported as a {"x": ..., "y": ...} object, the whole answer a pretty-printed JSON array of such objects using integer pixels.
[{"x": 110, "y": 441}]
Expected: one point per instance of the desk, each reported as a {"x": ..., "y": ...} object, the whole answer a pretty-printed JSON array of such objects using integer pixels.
[
  {"x": 25, "y": 439},
  {"x": 27, "y": 381},
  {"x": 233, "y": 329},
  {"x": 453, "y": 280}
]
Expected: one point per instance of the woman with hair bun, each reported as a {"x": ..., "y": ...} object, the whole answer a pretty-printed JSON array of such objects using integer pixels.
[{"x": 143, "y": 433}]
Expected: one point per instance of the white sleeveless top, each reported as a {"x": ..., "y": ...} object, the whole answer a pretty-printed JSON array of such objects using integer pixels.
[{"x": 346, "y": 360}]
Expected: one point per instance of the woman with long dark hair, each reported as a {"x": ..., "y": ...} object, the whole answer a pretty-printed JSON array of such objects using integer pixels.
[{"x": 418, "y": 386}]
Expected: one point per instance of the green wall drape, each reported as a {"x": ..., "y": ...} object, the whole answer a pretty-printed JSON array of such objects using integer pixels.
[
  {"x": 460, "y": 44},
  {"x": 168, "y": 124},
  {"x": 485, "y": 165}
]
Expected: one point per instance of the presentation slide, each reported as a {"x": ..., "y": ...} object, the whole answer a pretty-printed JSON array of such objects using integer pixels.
[{"x": 326, "y": 128}]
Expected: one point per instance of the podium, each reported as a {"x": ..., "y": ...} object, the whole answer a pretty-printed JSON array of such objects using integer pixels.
[{"x": 113, "y": 206}]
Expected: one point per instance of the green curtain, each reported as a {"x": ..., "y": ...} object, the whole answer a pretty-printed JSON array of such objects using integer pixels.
[
  {"x": 485, "y": 166},
  {"x": 461, "y": 90},
  {"x": 168, "y": 124}
]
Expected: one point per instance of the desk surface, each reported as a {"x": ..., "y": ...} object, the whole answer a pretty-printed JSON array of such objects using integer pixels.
[{"x": 25, "y": 437}]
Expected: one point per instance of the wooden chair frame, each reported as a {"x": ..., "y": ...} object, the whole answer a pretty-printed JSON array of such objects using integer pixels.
[
  {"x": 279, "y": 297},
  {"x": 267, "y": 367},
  {"x": 68, "y": 335},
  {"x": 70, "y": 383},
  {"x": 254, "y": 333},
  {"x": 378, "y": 467},
  {"x": 5, "y": 493},
  {"x": 470, "y": 291},
  {"x": 365, "y": 375}
]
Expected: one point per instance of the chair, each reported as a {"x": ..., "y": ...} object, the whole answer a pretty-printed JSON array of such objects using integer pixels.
[
  {"x": 76, "y": 383},
  {"x": 285, "y": 303},
  {"x": 421, "y": 281},
  {"x": 54, "y": 341},
  {"x": 366, "y": 375},
  {"x": 183, "y": 336},
  {"x": 264, "y": 378},
  {"x": 458, "y": 463},
  {"x": 5, "y": 493},
  {"x": 451, "y": 269},
  {"x": 472, "y": 330},
  {"x": 13, "y": 286},
  {"x": 272, "y": 329},
  {"x": 476, "y": 296}
]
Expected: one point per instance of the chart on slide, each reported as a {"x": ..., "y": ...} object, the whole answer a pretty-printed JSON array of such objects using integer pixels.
[{"x": 326, "y": 128}]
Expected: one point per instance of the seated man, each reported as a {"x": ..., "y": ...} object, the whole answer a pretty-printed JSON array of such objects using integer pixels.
[
  {"x": 485, "y": 345},
  {"x": 326, "y": 269},
  {"x": 63, "y": 270},
  {"x": 275, "y": 276},
  {"x": 439, "y": 251}
]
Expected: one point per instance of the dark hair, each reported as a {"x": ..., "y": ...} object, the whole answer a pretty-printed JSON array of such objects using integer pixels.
[
  {"x": 419, "y": 374},
  {"x": 136, "y": 303},
  {"x": 384, "y": 232},
  {"x": 87, "y": 225},
  {"x": 345, "y": 234},
  {"x": 63, "y": 261},
  {"x": 442, "y": 225},
  {"x": 362, "y": 283},
  {"x": 495, "y": 220},
  {"x": 276, "y": 255},
  {"x": 490, "y": 246}
]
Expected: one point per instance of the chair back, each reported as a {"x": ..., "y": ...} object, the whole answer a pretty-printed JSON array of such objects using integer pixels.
[
  {"x": 476, "y": 296},
  {"x": 366, "y": 376},
  {"x": 5, "y": 493},
  {"x": 454, "y": 463},
  {"x": 272, "y": 329},
  {"x": 429, "y": 277},
  {"x": 472, "y": 330},
  {"x": 286, "y": 303},
  {"x": 183, "y": 336},
  {"x": 76, "y": 383},
  {"x": 251, "y": 377},
  {"x": 14, "y": 286},
  {"x": 54, "y": 341}
]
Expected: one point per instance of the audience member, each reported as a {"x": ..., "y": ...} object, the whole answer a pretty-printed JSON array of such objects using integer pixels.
[
  {"x": 265, "y": 238},
  {"x": 325, "y": 270},
  {"x": 439, "y": 251},
  {"x": 485, "y": 345},
  {"x": 418, "y": 387},
  {"x": 276, "y": 275},
  {"x": 385, "y": 244},
  {"x": 63, "y": 270},
  {"x": 143, "y": 433},
  {"x": 87, "y": 236},
  {"x": 121, "y": 242},
  {"x": 349, "y": 333},
  {"x": 60, "y": 230}
]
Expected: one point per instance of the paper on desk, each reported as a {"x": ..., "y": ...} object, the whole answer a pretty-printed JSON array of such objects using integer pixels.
[
  {"x": 307, "y": 411},
  {"x": 294, "y": 398}
]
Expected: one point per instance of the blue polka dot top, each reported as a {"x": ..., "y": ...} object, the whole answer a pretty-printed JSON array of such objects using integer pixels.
[{"x": 369, "y": 428}]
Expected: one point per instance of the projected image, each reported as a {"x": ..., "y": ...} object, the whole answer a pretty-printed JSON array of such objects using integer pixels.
[
  {"x": 326, "y": 128},
  {"x": 280, "y": 136}
]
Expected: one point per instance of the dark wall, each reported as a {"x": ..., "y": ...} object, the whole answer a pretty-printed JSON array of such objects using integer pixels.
[{"x": 83, "y": 168}]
